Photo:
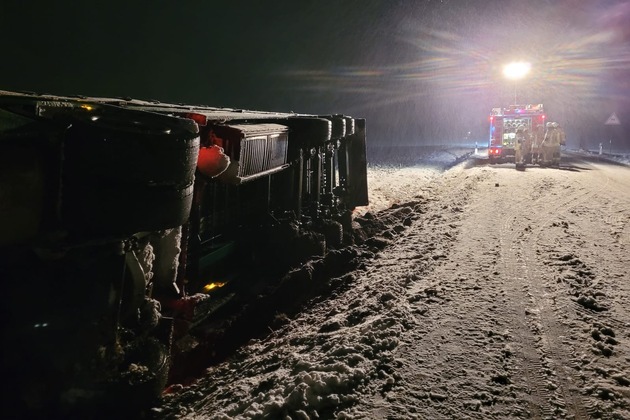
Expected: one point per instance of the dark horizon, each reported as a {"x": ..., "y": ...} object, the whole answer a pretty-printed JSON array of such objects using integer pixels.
[{"x": 419, "y": 72}]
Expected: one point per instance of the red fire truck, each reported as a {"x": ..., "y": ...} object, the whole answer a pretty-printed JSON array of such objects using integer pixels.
[{"x": 503, "y": 125}]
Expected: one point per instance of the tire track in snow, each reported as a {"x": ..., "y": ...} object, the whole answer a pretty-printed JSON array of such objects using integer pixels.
[
  {"x": 589, "y": 289},
  {"x": 545, "y": 316},
  {"x": 527, "y": 333},
  {"x": 467, "y": 343},
  {"x": 538, "y": 326}
]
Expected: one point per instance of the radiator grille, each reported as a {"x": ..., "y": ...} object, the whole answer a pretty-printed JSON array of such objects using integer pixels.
[{"x": 261, "y": 153}]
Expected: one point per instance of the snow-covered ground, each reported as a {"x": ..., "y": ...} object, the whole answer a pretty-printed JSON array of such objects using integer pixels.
[
  {"x": 622, "y": 158},
  {"x": 491, "y": 293}
]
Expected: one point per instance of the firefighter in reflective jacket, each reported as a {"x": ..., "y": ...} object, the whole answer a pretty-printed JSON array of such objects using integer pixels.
[
  {"x": 548, "y": 146},
  {"x": 560, "y": 140},
  {"x": 551, "y": 144},
  {"x": 520, "y": 145},
  {"x": 561, "y": 136}
]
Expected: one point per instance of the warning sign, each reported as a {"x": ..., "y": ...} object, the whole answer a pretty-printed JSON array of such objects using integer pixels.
[{"x": 612, "y": 120}]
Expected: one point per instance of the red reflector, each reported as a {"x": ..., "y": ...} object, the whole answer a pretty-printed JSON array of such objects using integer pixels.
[{"x": 200, "y": 119}]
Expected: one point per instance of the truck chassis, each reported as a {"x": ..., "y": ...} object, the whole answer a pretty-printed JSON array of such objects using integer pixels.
[{"x": 112, "y": 240}]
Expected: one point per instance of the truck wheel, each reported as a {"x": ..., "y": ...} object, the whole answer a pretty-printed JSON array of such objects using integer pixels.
[
  {"x": 333, "y": 233},
  {"x": 309, "y": 131},
  {"x": 139, "y": 389},
  {"x": 123, "y": 209},
  {"x": 132, "y": 385},
  {"x": 130, "y": 157},
  {"x": 338, "y": 126},
  {"x": 350, "y": 127},
  {"x": 307, "y": 246}
]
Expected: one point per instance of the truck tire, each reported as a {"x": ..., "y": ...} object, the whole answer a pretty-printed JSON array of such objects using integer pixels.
[
  {"x": 309, "y": 131},
  {"x": 139, "y": 391},
  {"x": 338, "y": 126},
  {"x": 333, "y": 233},
  {"x": 130, "y": 157},
  {"x": 128, "y": 391},
  {"x": 306, "y": 246},
  {"x": 350, "y": 128},
  {"x": 123, "y": 209}
]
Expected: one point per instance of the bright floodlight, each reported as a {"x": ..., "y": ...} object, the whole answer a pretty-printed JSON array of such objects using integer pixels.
[{"x": 516, "y": 70}]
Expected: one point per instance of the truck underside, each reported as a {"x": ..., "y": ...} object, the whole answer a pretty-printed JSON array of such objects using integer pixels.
[{"x": 114, "y": 245}]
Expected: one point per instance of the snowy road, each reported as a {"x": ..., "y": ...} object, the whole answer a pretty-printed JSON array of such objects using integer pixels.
[{"x": 501, "y": 294}]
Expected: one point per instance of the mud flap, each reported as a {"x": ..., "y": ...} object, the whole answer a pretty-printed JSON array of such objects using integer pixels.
[{"x": 357, "y": 167}]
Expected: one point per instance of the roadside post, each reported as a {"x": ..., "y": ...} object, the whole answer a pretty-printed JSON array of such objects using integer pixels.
[{"x": 611, "y": 121}]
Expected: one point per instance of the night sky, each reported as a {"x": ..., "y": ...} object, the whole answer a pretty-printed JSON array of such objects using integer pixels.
[{"x": 421, "y": 71}]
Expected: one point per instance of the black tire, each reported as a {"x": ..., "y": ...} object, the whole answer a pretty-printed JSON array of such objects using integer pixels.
[
  {"x": 307, "y": 246},
  {"x": 140, "y": 392},
  {"x": 123, "y": 209},
  {"x": 350, "y": 126},
  {"x": 333, "y": 233},
  {"x": 129, "y": 391},
  {"x": 338, "y": 126},
  {"x": 130, "y": 157},
  {"x": 309, "y": 131}
]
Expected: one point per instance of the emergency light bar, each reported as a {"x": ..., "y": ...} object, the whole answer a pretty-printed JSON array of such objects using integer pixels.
[{"x": 529, "y": 109}]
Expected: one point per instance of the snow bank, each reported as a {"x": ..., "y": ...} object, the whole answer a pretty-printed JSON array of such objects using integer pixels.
[
  {"x": 437, "y": 157},
  {"x": 622, "y": 158}
]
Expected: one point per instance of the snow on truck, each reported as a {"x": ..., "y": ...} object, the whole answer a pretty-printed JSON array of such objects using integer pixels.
[
  {"x": 504, "y": 123},
  {"x": 120, "y": 219}
]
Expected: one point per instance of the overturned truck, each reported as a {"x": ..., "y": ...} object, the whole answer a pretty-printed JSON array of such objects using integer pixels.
[{"x": 115, "y": 212}]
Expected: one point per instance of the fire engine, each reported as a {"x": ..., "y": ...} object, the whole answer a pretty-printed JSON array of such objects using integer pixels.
[{"x": 503, "y": 125}]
